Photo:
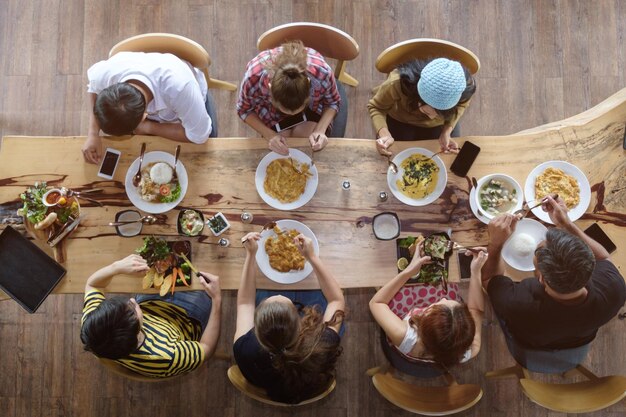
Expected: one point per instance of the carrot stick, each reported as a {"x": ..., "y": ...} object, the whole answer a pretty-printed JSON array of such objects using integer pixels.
[{"x": 182, "y": 277}]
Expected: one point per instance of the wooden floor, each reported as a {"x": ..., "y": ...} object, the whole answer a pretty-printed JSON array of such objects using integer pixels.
[{"x": 541, "y": 61}]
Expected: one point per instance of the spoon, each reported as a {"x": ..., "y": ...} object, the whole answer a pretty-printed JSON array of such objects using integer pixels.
[
  {"x": 72, "y": 193},
  {"x": 145, "y": 220},
  {"x": 392, "y": 165},
  {"x": 137, "y": 177},
  {"x": 176, "y": 155}
]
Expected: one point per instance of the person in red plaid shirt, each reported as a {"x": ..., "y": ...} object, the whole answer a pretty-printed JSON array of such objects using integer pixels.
[{"x": 287, "y": 81}]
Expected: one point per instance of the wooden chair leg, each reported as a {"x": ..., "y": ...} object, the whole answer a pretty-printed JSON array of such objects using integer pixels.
[
  {"x": 348, "y": 79},
  {"x": 213, "y": 83},
  {"x": 515, "y": 370}
]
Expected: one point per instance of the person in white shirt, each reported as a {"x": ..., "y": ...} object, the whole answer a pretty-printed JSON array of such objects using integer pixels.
[{"x": 147, "y": 94}]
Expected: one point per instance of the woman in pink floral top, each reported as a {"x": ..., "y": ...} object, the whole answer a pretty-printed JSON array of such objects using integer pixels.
[{"x": 287, "y": 81}]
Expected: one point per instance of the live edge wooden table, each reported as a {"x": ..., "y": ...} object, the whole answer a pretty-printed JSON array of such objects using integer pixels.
[{"x": 221, "y": 178}]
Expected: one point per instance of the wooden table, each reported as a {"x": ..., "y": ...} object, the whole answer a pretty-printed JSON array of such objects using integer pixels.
[{"x": 222, "y": 173}]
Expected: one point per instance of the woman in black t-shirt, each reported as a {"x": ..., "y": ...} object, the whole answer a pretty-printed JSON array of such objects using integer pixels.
[{"x": 291, "y": 353}]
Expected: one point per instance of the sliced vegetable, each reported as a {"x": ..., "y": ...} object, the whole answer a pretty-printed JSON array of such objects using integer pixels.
[
  {"x": 165, "y": 190},
  {"x": 148, "y": 280},
  {"x": 193, "y": 268},
  {"x": 182, "y": 277},
  {"x": 167, "y": 284}
]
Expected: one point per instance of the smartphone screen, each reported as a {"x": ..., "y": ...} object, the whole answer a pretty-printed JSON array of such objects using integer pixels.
[
  {"x": 290, "y": 121},
  {"x": 464, "y": 160},
  {"x": 109, "y": 163},
  {"x": 465, "y": 262},
  {"x": 596, "y": 233}
]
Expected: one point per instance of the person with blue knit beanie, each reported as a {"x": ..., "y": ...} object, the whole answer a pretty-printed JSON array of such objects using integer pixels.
[{"x": 421, "y": 100}]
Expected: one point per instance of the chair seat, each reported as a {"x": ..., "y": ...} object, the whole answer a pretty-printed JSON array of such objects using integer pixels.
[
  {"x": 579, "y": 397},
  {"x": 430, "y": 401}
]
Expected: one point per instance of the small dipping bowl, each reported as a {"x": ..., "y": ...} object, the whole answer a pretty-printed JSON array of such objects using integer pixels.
[
  {"x": 183, "y": 232},
  {"x": 386, "y": 226},
  {"x": 51, "y": 197},
  {"x": 131, "y": 229}
]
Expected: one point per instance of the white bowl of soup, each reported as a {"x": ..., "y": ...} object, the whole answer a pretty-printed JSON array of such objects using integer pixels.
[{"x": 497, "y": 194}]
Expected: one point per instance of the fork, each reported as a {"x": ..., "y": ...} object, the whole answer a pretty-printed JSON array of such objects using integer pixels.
[
  {"x": 294, "y": 166},
  {"x": 454, "y": 245}
]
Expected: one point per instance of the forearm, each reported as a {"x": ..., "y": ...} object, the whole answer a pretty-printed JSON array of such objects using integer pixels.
[
  {"x": 325, "y": 120},
  {"x": 446, "y": 130},
  {"x": 101, "y": 278},
  {"x": 172, "y": 131},
  {"x": 389, "y": 290},
  {"x": 94, "y": 127},
  {"x": 255, "y": 123},
  {"x": 328, "y": 284},
  {"x": 212, "y": 331},
  {"x": 598, "y": 250},
  {"x": 247, "y": 287},
  {"x": 494, "y": 265},
  {"x": 476, "y": 296}
]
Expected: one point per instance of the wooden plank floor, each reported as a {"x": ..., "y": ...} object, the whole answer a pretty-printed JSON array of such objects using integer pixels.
[{"x": 541, "y": 61}]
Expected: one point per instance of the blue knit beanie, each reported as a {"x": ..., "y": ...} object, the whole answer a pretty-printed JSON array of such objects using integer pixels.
[{"x": 441, "y": 83}]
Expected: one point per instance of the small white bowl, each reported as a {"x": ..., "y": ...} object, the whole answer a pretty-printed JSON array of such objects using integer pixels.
[
  {"x": 222, "y": 217},
  {"x": 501, "y": 177},
  {"x": 44, "y": 198}
]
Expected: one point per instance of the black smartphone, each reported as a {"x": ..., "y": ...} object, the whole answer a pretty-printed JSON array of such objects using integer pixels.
[
  {"x": 465, "y": 262},
  {"x": 290, "y": 121},
  {"x": 624, "y": 144},
  {"x": 109, "y": 163},
  {"x": 596, "y": 233},
  {"x": 464, "y": 160}
]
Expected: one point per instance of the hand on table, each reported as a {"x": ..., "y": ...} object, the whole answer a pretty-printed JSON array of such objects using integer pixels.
[
  {"x": 318, "y": 141},
  {"x": 131, "y": 265},
  {"x": 305, "y": 246},
  {"x": 383, "y": 143},
  {"x": 92, "y": 149},
  {"x": 447, "y": 144},
  {"x": 249, "y": 242},
  {"x": 279, "y": 145},
  {"x": 501, "y": 228},
  {"x": 211, "y": 284},
  {"x": 557, "y": 210}
]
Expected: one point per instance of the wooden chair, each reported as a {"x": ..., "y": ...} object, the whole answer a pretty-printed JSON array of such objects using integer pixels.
[
  {"x": 424, "y": 48},
  {"x": 578, "y": 397},
  {"x": 327, "y": 40},
  {"x": 429, "y": 401},
  {"x": 180, "y": 46},
  {"x": 259, "y": 394}
]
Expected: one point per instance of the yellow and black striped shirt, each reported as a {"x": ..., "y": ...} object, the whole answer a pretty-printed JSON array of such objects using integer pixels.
[{"x": 170, "y": 347}]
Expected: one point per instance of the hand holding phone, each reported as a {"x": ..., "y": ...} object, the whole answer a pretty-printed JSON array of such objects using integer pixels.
[
  {"x": 109, "y": 163},
  {"x": 464, "y": 160}
]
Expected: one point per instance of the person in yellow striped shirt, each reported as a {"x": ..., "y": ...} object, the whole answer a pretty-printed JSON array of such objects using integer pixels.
[{"x": 151, "y": 335}]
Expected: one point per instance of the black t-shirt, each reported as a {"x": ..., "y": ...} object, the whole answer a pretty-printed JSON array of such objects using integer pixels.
[
  {"x": 538, "y": 321},
  {"x": 256, "y": 365}
]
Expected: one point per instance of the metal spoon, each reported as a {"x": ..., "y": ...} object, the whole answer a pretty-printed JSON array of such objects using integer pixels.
[
  {"x": 392, "y": 165},
  {"x": 137, "y": 177},
  {"x": 145, "y": 220},
  {"x": 175, "y": 176},
  {"x": 76, "y": 194}
]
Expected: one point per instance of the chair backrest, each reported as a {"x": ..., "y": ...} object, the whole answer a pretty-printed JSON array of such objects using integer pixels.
[
  {"x": 580, "y": 397},
  {"x": 239, "y": 381},
  {"x": 548, "y": 361},
  {"x": 430, "y": 401},
  {"x": 327, "y": 40},
  {"x": 424, "y": 48}
]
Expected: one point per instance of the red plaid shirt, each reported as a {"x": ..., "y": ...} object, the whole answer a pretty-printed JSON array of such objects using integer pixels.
[{"x": 255, "y": 96}]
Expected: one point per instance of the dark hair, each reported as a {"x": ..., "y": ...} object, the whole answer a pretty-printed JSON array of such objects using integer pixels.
[
  {"x": 565, "y": 261},
  {"x": 410, "y": 73},
  {"x": 290, "y": 85},
  {"x": 119, "y": 109},
  {"x": 110, "y": 331},
  {"x": 446, "y": 332},
  {"x": 302, "y": 356}
]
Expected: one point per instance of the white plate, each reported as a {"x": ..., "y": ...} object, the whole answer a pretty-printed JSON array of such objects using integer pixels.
[
  {"x": 264, "y": 261},
  {"x": 133, "y": 193},
  {"x": 309, "y": 189},
  {"x": 585, "y": 190},
  {"x": 474, "y": 207},
  {"x": 532, "y": 228},
  {"x": 439, "y": 188}
]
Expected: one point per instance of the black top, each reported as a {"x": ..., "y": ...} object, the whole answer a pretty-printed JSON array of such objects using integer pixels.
[
  {"x": 256, "y": 365},
  {"x": 537, "y": 321}
]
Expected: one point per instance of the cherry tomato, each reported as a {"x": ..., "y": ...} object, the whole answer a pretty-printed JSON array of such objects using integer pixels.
[{"x": 164, "y": 190}]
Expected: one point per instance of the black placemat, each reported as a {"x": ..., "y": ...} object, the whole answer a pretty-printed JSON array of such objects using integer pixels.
[{"x": 27, "y": 273}]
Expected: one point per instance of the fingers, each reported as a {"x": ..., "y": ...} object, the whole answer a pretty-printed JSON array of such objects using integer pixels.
[
  {"x": 252, "y": 236},
  {"x": 91, "y": 156},
  {"x": 383, "y": 144},
  {"x": 279, "y": 145},
  {"x": 318, "y": 141}
]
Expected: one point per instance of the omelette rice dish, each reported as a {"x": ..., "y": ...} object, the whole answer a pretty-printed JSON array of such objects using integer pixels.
[
  {"x": 283, "y": 253},
  {"x": 554, "y": 180},
  {"x": 283, "y": 181},
  {"x": 419, "y": 177}
]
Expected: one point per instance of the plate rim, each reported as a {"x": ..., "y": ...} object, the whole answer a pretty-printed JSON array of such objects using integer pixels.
[
  {"x": 259, "y": 179},
  {"x": 285, "y": 278},
  {"x": 432, "y": 197},
  {"x": 135, "y": 199},
  {"x": 530, "y": 189}
]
